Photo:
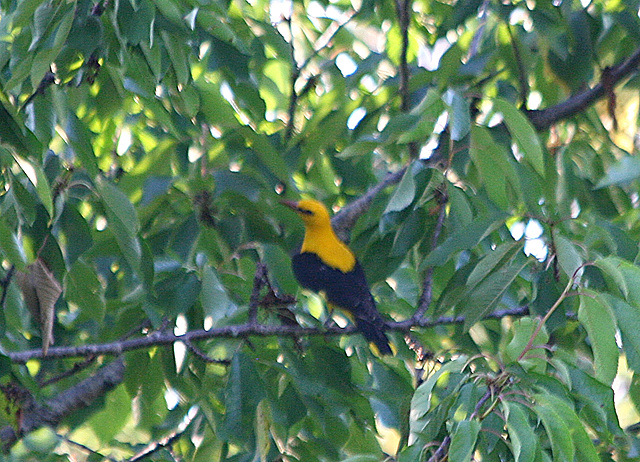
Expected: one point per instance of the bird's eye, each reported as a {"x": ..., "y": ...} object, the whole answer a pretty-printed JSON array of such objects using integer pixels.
[{"x": 306, "y": 212}]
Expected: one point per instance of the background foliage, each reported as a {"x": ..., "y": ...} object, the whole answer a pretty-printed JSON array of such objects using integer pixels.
[{"x": 145, "y": 145}]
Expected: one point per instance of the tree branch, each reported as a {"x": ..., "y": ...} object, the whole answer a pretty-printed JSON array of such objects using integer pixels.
[
  {"x": 544, "y": 118},
  {"x": 427, "y": 286},
  {"x": 237, "y": 331},
  {"x": 36, "y": 415},
  {"x": 344, "y": 220},
  {"x": 403, "y": 13},
  {"x": 297, "y": 72}
]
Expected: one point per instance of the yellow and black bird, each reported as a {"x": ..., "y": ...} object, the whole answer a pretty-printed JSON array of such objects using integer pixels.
[{"x": 326, "y": 265}]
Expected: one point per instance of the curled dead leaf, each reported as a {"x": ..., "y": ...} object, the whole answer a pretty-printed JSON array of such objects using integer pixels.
[{"x": 41, "y": 291}]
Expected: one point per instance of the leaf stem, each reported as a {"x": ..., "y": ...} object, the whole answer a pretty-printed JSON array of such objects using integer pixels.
[{"x": 565, "y": 293}]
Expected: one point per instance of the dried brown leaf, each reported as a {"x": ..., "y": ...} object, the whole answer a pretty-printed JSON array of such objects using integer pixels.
[{"x": 41, "y": 291}]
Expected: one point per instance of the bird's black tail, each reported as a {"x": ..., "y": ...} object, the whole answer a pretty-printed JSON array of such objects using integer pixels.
[{"x": 373, "y": 331}]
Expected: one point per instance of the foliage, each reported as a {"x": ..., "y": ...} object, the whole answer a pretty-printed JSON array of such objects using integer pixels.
[{"x": 145, "y": 145}]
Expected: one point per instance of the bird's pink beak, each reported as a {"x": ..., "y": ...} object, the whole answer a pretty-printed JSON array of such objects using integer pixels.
[{"x": 291, "y": 204}]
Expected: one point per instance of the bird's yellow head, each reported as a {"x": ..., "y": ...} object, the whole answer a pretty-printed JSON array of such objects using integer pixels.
[
  {"x": 313, "y": 213},
  {"x": 319, "y": 237}
]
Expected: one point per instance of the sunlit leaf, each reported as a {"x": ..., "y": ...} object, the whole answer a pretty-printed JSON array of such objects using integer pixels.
[
  {"x": 463, "y": 440},
  {"x": 622, "y": 172},
  {"x": 522, "y": 437},
  {"x": 523, "y": 133},
  {"x": 601, "y": 328},
  {"x": 12, "y": 246},
  {"x": 39, "y": 180}
]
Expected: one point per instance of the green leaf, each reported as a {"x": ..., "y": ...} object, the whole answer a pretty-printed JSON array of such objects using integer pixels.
[
  {"x": 601, "y": 328},
  {"x": 595, "y": 401},
  {"x": 136, "y": 25},
  {"x": 170, "y": 10},
  {"x": 178, "y": 53},
  {"x": 122, "y": 219},
  {"x": 107, "y": 422},
  {"x": 83, "y": 288},
  {"x": 421, "y": 400},
  {"x": 79, "y": 138},
  {"x": 24, "y": 12},
  {"x": 462, "y": 239},
  {"x": 459, "y": 116},
  {"x": 463, "y": 440},
  {"x": 39, "y": 180},
  {"x": 404, "y": 194},
  {"x": 494, "y": 259},
  {"x": 41, "y": 441},
  {"x": 557, "y": 429},
  {"x": 486, "y": 155},
  {"x": 628, "y": 321},
  {"x": 177, "y": 292},
  {"x": 584, "y": 449},
  {"x": 523, "y": 132},
  {"x": 279, "y": 264},
  {"x": 216, "y": 109},
  {"x": 568, "y": 256},
  {"x": 267, "y": 153},
  {"x": 410, "y": 232},
  {"x": 621, "y": 172},
  {"x": 13, "y": 132},
  {"x": 41, "y": 118},
  {"x": 486, "y": 296},
  {"x": 12, "y": 246},
  {"x": 263, "y": 424},
  {"x": 25, "y": 202},
  {"x": 243, "y": 394},
  {"x": 77, "y": 233},
  {"x": 523, "y": 438},
  {"x": 213, "y": 297},
  {"x": 523, "y": 329},
  {"x": 357, "y": 149},
  {"x": 613, "y": 267}
]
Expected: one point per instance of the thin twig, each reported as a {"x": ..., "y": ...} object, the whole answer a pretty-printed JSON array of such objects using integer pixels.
[
  {"x": 203, "y": 356},
  {"x": 565, "y": 293},
  {"x": 427, "y": 286},
  {"x": 87, "y": 449},
  {"x": 477, "y": 37},
  {"x": 293, "y": 95},
  {"x": 522, "y": 74},
  {"x": 441, "y": 452},
  {"x": 258, "y": 283},
  {"x": 403, "y": 13},
  {"x": 297, "y": 72},
  {"x": 238, "y": 331},
  {"x": 77, "y": 367},
  {"x": 166, "y": 442},
  {"x": 4, "y": 283}
]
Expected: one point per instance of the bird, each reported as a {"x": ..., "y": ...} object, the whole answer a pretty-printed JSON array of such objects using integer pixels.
[{"x": 326, "y": 265}]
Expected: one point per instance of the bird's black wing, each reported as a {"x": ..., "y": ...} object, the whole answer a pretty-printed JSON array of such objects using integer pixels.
[{"x": 348, "y": 291}]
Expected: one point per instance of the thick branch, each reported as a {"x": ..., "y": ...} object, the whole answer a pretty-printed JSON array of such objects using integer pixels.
[
  {"x": 344, "y": 220},
  {"x": 36, "y": 415},
  {"x": 544, "y": 118},
  {"x": 238, "y": 331}
]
